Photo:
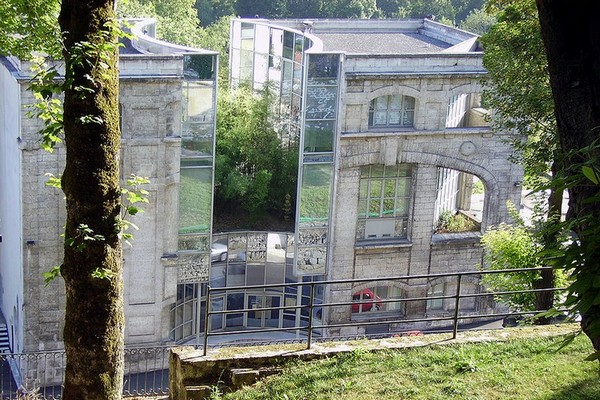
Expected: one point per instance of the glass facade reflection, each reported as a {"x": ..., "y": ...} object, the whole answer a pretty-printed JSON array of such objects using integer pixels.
[{"x": 196, "y": 166}]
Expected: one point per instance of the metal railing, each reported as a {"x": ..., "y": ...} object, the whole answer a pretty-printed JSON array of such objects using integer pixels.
[
  {"x": 457, "y": 313},
  {"x": 40, "y": 375},
  {"x": 146, "y": 368}
]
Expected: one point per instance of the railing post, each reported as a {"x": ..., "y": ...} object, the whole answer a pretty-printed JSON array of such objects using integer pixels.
[
  {"x": 310, "y": 314},
  {"x": 456, "y": 306},
  {"x": 206, "y": 321}
]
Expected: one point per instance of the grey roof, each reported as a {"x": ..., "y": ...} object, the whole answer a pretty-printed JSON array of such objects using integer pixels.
[{"x": 381, "y": 43}]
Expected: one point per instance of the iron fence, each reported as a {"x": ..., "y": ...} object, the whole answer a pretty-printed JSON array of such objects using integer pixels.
[
  {"x": 40, "y": 375},
  {"x": 146, "y": 368}
]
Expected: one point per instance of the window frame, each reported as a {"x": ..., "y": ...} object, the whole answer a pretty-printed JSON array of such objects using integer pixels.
[
  {"x": 405, "y": 111},
  {"x": 385, "y": 202}
]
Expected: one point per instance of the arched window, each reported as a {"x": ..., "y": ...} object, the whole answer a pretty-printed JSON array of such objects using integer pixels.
[
  {"x": 459, "y": 202},
  {"x": 392, "y": 111}
]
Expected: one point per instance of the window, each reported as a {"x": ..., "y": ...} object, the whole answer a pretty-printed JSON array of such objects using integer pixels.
[
  {"x": 384, "y": 201},
  {"x": 378, "y": 299},
  {"x": 465, "y": 110},
  {"x": 392, "y": 111},
  {"x": 435, "y": 291},
  {"x": 459, "y": 202}
]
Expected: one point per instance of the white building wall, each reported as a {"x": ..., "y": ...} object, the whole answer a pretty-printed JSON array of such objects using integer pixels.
[{"x": 11, "y": 248}]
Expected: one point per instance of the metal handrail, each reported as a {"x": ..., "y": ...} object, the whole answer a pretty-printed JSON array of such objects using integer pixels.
[{"x": 457, "y": 296}]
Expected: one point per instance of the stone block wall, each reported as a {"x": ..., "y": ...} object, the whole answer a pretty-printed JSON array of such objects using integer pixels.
[
  {"x": 427, "y": 146},
  {"x": 151, "y": 147}
]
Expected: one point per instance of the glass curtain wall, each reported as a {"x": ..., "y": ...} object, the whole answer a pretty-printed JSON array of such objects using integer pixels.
[
  {"x": 317, "y": 163},
  {"x": 195, "y": 187}
]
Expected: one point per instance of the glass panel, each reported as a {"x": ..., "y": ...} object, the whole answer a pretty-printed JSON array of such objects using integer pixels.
[
  {"x": 375, "y": 188},
  {"x": 394, "y": 118},
  {"x": 273, "y": 315},
  {"x": 256, "y": 275},
  {"x": 288, "y": 44},
  {"x": 318, "y": 136},
  {"x": 198, "y": 102},
  {"x": 262, "y": 39},
  {"x": 409, "y": 103},
  {"x": 236, "y": 274},
  {"x": 195, "y": 194},
  {"x": 376, "y": 171},
  {"x": 403, "y": 187},
  {"x": 409, "y": 118},
  {"x": 276, "y": 250},
  {"x": 390, "y": 188},
  {"x": 193, "y": 242},
  {"x": 323, "y": 69},
  {"x": 402, "y": 207},
  {"x": 380, "y": 118},
  {"x": 255, "y": 317},
  {"x": 197, "y": 139},
  {"x": 216, "y": 320},
  {"x": 315, "y": 193},
  {"x": 235, "y": 301},
  {"x": 388, "y": 208},
  {"x": 374, "y": 208},
  {"x": 381, "y": 103},
  {"x": 321, "y": 102},
  {"x": 217, "y": 275},
  {"x": 199, "y": 66},
  {"x": 395, "y": 103}
]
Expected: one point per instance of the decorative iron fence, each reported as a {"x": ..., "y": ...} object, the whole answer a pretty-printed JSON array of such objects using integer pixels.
[{"x": 42, "y": 373}]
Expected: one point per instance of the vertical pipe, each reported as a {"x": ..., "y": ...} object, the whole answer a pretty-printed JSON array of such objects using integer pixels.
[
  {"x": 456, "y": 306},
  {"x": 206, "y": 320},
  {"x": 310, "y": 314}
]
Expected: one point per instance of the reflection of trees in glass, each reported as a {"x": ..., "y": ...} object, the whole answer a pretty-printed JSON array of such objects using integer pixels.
[
  {"x": 315, "y": 192},
  {"x": 194, "y": 200},
  {"x": 256, "y": 165}
]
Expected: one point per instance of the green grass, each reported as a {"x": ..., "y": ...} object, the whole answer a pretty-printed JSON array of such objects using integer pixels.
[{"x": 515, "y": 369}]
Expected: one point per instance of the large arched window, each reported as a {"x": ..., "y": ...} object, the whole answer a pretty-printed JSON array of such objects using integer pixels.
[{"x": 392, "y": 111}]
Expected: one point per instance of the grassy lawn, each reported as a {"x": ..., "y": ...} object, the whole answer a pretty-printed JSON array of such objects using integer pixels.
[{"x": 515, "y": 369}]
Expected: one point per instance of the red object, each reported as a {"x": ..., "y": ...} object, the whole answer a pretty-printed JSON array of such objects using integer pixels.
[{"x": 369, "y": 299}]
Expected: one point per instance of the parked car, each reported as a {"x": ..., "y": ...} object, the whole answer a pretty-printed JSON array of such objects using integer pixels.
[
  {"x": 369, "y": 300},
  {"x": 218, "y": 252}
]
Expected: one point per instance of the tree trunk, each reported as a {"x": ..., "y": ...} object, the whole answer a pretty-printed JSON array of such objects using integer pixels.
[
  {"x": 92, "y": 266},
  {"x": 571, "y": 35}
]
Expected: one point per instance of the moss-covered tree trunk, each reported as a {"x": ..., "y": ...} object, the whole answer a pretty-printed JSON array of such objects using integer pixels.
[
  {"x": 571, "y": 35},
  {"x": 92, "y": 267}
]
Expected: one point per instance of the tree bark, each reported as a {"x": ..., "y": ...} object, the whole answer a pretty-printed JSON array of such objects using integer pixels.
[
  {"x": 92, "y": 266},
  {"x": 571, "y": 36}
]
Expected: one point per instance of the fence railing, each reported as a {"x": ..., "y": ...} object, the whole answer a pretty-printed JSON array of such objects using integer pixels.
[
  {"x": 146, "y": 368},
  {"x": 41, "y": 374},
  {"x": 457, "y": 313}
]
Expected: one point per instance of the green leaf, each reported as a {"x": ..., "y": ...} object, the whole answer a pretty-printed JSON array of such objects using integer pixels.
[
  {"x": 593, "y": 357},
  {"x": 591, "y": 174},
  {"x": 50, "y": 275}
]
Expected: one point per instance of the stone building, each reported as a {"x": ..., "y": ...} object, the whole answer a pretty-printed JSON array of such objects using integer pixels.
[
  {"x": 167, "y": 102},
  {"x": 393, "y": 140}
]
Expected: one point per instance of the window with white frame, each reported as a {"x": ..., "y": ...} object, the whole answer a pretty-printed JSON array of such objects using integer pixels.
[
  {"x": 384, "y": 201},
  {"x": 392, "y": 111},
  {"x": 435, "y": 291}
]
